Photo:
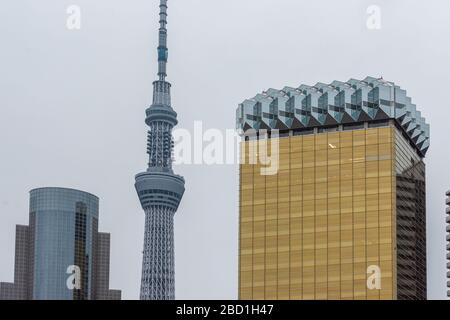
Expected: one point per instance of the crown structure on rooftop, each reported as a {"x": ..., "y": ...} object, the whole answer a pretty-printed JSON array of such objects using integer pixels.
[{"x": 337, "y": 103}]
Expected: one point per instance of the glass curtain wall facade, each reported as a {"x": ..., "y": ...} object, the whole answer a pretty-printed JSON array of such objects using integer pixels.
[
  {"x": 342, "y": 216},
  {"x": 341, "y": 202},
  {"x": 64, "y": 221},
  {"x": 63, "y": 234}
]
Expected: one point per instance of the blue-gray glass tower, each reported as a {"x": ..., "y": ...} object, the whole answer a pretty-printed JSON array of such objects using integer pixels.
[
  {"x": 63, "y": 232},
  {"x": 159, "y": 189}
]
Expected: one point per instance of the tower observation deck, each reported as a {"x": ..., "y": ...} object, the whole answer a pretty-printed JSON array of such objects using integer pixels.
[{"x": 159, "y": 189}]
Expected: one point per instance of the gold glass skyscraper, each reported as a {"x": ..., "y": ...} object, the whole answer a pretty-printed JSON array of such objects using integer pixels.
[{"x": 343, "y": 215}]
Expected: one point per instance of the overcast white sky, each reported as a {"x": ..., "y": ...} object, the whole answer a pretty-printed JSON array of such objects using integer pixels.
[{"x": 72, "y": 108}]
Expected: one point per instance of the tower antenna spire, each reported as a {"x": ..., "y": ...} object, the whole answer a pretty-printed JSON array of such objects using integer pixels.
[
  {"x": 163, "y": 52},
  {"x": 160, "y": 190}
]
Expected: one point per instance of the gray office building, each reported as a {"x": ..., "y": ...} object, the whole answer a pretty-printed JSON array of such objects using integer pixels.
[
  {"x": 61, "y": 255},
  {"x": 447, "y": 210}
]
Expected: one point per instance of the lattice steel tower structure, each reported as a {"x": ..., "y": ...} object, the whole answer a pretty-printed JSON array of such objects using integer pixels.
[{"x": 159, "y": 189}]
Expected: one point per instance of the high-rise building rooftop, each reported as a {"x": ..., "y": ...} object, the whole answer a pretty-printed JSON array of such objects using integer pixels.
[{"x": 338, "y": 103}]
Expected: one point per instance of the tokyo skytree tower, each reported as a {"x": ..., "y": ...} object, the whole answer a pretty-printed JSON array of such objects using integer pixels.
[{"x": 159, "y": 189}]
